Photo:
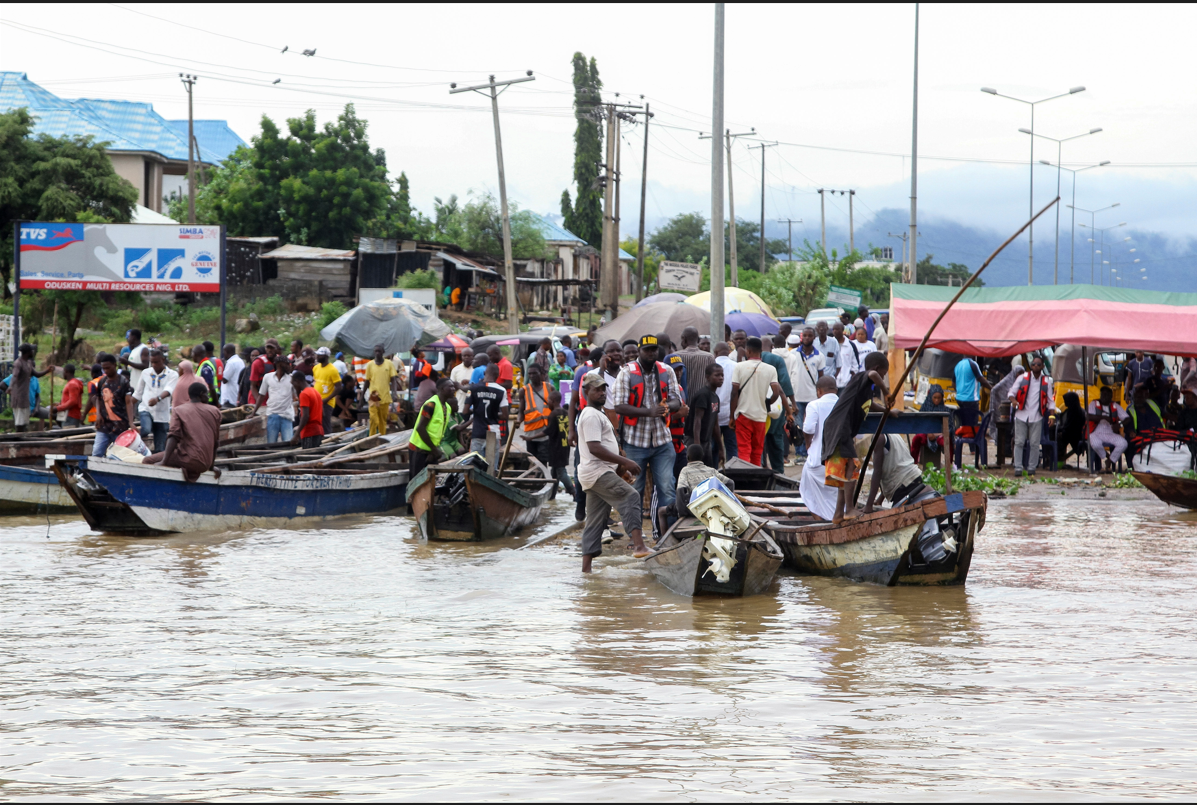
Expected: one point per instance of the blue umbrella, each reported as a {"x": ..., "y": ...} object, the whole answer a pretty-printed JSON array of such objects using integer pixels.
[{"x": 757, "y": 324}]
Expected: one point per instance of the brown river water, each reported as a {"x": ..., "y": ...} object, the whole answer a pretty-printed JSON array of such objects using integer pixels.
[{"x": 356, "y": 663}]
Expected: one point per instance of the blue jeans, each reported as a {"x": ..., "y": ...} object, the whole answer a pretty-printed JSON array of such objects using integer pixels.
[
  {"x": 659, "y": 461},
  {"x": 156, "y": 429},
  {"x": 278, "y": 429},
  {"x": 799, "y": 418},
  {"x": 102, "y": 443}
]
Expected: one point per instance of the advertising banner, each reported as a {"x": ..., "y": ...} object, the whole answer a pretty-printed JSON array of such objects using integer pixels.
[
  {"x": 847, "y": 298},
  {"x": 120, "y": 257}
]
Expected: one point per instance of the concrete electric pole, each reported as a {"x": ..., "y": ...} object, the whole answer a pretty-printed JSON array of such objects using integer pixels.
[
  {"x": 643, "y": 187},
  {"x": 763, "y": 146},
  {"x": 914, "y": 160},
  {"x": 716, "y": 262},
  {"x": 789, "y": 222},
  {"x": 493, "y": 87},
  {"x": 822, "y": 223},
  {"x": 189, "y": 82},
  {"x": 731, "y": 201}
]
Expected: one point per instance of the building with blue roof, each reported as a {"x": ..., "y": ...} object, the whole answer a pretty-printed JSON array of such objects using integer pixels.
[
  {"x": 572, "y": 259},
  {"x": 145, "y": 148}
]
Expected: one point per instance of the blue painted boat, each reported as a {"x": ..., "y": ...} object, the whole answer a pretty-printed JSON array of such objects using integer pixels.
[
  {"x": 116, "y": 497},
  {"x": 31, "y": 490}
]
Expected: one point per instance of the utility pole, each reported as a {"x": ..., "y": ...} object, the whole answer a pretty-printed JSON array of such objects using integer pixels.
[
  {"x": 789, "y": 222},
  {"x": 851, "y": 223},
  {"x": 731, "y": 201},
  {"x": 914, "y": 160},
  {"x": 609, "y": 296},
  {"x": 717, "y": 184},
  {"x": 902, "y": 237},
  {"x": 513, "y": 318},
  {"x": 763, "y": 146},
  {"x": 643, "y": 187},
  {"x": 823, "y": 223},
  {"x": 189, "y": 82}
]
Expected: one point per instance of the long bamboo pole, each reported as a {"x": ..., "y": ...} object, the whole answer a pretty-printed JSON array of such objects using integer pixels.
[{"x": 896, "y": 388}]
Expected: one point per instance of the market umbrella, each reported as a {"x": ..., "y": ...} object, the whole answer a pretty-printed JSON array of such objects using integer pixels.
[
  {"x": 662, "y": 297},
  {"x": 734, "y": 299},
  {"x": 757, "y": 324},
  {"x": 450, "y": 343},
  {"x": 397, "y": 324},
  {"x": 658, "y": 317}
]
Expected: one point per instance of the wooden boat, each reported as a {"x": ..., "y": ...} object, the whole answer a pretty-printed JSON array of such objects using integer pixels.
[
  {"x": 25, "y": 490},
  {"x": 27, "y": 485},
  {"x": 144, "y": 500},
  {"x": 748, "y": 476},
  {"x": 1171, "y": 489},
  {"x": 680, "y": 565},
  {"x": 32, "y": 451},
  {"x": 881, "y": 547},
  {"x": 460, "y": 500}
]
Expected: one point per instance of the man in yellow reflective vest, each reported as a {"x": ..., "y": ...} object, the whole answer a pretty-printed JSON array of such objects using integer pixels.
[{"x": 431, "y": 424}]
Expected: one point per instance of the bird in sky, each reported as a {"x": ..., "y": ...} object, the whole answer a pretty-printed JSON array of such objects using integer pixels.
[
  {"x": 311, "y": 52},
  {"x": 275, "y": 81},
  {"x": 286, "y": 48}
]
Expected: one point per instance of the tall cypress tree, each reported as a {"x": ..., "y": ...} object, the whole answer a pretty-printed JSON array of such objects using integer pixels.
[{"x": 585, "y": 216}]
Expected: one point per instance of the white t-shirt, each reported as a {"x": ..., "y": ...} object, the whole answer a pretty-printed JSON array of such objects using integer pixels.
[
  {"x": 754, "y": 378},
  {"x": 461, "y": 374},
  {"x": 281, "y": 395},
  {"x": 230, "y": 386},
  {"x": 848, "y": 364},
  {"x": 152, "y": 384},
  {"x": 804, "y": 377},
  {"x": 594, "y": 426},
  {"x": 139, "y": 354},
  {"x": 816, "y": 415},
  {"x": 729, "y": 366},
  {"x": 341, "y": 367},
  {"x": 865, "y": 349}
]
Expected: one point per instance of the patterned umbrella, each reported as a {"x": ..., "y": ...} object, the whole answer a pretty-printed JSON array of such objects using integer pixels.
[
  {"x": 734, "y": 300},
  {"x": 450, "y": 343}
]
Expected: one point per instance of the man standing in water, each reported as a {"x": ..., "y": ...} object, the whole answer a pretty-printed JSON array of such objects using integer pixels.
[{"x": 603, "y": 473}]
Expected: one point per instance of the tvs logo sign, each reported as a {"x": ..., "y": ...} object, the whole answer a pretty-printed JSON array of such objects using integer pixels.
[
  {"x": 50, "y": 237},
  {"x": 204, "y": 263}
]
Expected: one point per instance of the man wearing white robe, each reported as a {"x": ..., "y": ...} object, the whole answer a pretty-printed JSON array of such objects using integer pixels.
[{"x": 819, "y": 498}]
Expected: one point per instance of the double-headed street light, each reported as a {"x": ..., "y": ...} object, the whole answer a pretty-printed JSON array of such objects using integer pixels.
[
  {"x": 1092, "y": 215},
  {"x": 1059, "y": 165},
  {"x": 1103, "y": 231},
  {"x": 1031, "y": 201},
  {"x": 1074, "y": 172}
]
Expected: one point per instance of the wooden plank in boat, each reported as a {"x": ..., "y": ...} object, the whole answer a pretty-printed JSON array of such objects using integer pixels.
[{"x": 868, "y": 525}]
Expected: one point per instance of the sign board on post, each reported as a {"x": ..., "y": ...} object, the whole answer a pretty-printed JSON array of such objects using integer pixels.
[
  {"x": 679, "y": 276},
  {"x": 847, "y": 298},
  {"x": 121, "y": 257}
]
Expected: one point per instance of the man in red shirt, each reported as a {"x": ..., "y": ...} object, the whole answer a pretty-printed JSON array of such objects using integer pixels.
[
  {"x": 72, "y": 398},
  {"x": 311, "y": 411},
  {"x": 262, "y": 366},
  {"x": 506, "y": 370}
]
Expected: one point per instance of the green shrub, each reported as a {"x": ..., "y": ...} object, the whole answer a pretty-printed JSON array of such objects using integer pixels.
[
  {"x": 330, "y": 312},
  {"x": 154, "y": 319},
  {"x": 966, "y": 480},
  {"x": 428, "y": 278}
]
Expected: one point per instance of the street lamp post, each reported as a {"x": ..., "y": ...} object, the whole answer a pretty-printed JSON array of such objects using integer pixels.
[
  {"x": 1072, "y": 206},
  {"x": 1031, "y": 200},
  {"x": 1059, "y": 165},
  {"x": 1103, "y": 230},
  {"x": 1092, "y": 214}
]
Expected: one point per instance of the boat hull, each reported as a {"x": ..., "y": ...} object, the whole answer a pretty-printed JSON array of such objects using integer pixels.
[
  {"x": 489, "y": 509},
  {"x": 681, "y": 567},
  {"x": 1171, "y": 489},
  {"x": 880, "y": 548},
  {"x": 30, "y": 490},
  {"x": 146, "y": 500}
]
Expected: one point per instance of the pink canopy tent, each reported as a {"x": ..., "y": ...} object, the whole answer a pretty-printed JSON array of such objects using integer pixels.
[{"x": 995, "y": 322}]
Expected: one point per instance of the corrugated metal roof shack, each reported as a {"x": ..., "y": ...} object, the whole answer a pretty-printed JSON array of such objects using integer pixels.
[
  {"x": 245, "y": 263},
  {"x": 332, "y": 269}
]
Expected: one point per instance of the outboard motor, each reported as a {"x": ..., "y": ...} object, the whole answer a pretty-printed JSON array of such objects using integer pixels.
[{"x": 715, "y": 505}]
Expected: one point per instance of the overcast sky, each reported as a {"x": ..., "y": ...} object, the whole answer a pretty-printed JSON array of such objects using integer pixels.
[{"x": 828, "y": 76}]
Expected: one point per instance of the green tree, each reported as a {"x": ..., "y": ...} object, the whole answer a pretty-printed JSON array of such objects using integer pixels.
[
  {"x": 794, "y": 289},
  {"x": 400, "y": 219},
  {"x": 651, "y": 259},
  {"x": 952, "y": 274},
  {"x": 312, "y": 186},
  {"x": 481, "y": 227},
  {"x": 62, "y": 179},
  {"x": 223, "y": 180},
  {"x": 585, "y": 216},
  {"x": 683, "y": 238}
]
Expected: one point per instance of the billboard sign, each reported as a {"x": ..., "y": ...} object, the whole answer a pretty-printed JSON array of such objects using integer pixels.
[
  {"x": 673, "y": 276},
  {"x": 847, "y": 298},
  {"x": 120, "y": 257}
]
